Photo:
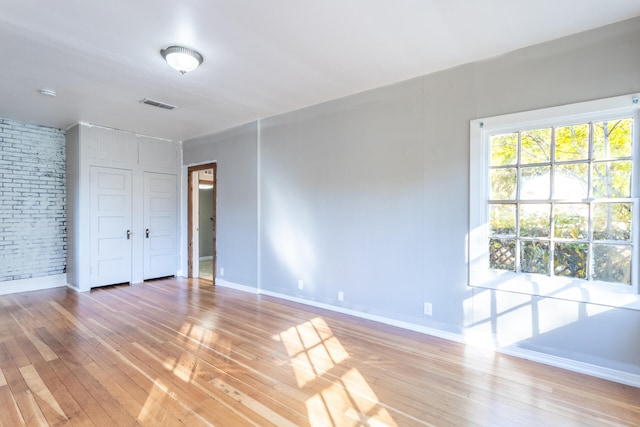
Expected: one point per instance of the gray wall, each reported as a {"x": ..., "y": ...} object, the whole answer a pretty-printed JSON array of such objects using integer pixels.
[
  {"x": 205, "y": 229},
  {"x": 235, "y": 152},
  {"x": 597, "y": 64},
  {"x": 32, "y": 201},
  {"x": 72, "y": 170},
  {"x": 343, "y": 205},
  {"x": 369, "y": 195}
]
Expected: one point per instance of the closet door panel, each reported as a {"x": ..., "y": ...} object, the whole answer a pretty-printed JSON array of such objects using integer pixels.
[
  {"x": 110, "y": 226},
  {"x": 160, "y": 219}
]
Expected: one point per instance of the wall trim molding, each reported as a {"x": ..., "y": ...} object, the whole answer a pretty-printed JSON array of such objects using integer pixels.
[
  {"x": 33, "y": 284},
  {"x": 469, "y": 338},
  {"x": 236, "y": 286},
  {"x": 614, "y": 375}
]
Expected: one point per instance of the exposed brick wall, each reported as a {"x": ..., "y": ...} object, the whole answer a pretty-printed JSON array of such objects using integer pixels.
[{"x": 32, "y": 201}]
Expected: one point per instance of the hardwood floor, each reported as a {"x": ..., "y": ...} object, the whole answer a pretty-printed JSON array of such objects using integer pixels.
[
  {"x": 205, "y": 267},
  {"x": 175, "y": 352}
]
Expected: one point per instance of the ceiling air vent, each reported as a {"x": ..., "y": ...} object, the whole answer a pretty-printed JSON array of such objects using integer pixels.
[{"x": 157, "y": 104}]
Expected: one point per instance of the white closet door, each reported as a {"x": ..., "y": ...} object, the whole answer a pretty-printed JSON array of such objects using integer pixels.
[
  {"x": 160, "y": 221},
  {"x": 110, "y": 226}
]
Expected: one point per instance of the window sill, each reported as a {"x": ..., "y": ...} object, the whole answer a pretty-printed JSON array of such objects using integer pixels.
[{"x": 600, "y": 293}]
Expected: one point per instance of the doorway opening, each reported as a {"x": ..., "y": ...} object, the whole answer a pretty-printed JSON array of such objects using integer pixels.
[{"x": 201, "y": 211}]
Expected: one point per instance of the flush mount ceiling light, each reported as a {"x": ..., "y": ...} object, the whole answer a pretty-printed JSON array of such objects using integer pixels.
[{"x": 181, "y": 58}]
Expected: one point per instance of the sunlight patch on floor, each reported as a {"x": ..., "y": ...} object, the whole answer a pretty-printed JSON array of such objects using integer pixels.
[
  {"x": 312, "y": 351},
  {"x": 197, "y": 336},
  {"x": 154, "y": 401},
  {"x": 348, "y": 397},
  {"x": 319, "y": 361}
]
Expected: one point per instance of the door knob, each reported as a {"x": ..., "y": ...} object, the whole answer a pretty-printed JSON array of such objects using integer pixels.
[
  {"x": 128, "y": 234},
  {"x": 147, "y": 233}
]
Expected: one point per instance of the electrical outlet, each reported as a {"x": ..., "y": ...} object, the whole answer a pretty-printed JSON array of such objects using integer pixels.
[
  {"x": 221, "y": 271},
  {"x": 340, "y": 296},
  {"x": 428, "y": 309},
  {"x": 300, "y": 284}
]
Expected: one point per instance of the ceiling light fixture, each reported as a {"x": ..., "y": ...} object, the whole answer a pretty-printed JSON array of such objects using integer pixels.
[{"x": 181, "y": 58}]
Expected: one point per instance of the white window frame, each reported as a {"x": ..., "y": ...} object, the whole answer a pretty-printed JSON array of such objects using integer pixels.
[{"x": 480, "y": 275}]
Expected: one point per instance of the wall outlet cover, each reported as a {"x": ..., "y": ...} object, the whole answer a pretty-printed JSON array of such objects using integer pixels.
[{"x": 428, "y": 309}]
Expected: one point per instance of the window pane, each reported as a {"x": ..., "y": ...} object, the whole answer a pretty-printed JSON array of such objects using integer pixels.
[
  {"x": 504, "y": 149},
  {"x": 612, "y": 263},
  {"x": 571, "y": 181},
  {"x": 571, "y": 221},
  {"x": 534, "y": 220},
  {"x": 612, "y": 221},
  {"x": 572, "y": 142},
  {"x": 536, "y": 182},
  {"x": 570, "y": 260},
  {"x": 502, "y": 254},
  {"x": 503, "y": 184},
  {"x": 612, "y": 179},
  {"x": 534, "y": 257},
  {"x": 536, "y": 146},
  {"x": 502, "y": 219},
  {"x": 612, "y": 139}
]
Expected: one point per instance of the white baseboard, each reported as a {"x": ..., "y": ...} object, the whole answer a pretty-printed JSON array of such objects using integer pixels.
[
  {"x": 380, "y": 319},
  {"x": 574, "y": 365},
  {"x": 236, "y": 286},
  {"x": 33, "y": 284},
  {"x": 472, "y": 339}
]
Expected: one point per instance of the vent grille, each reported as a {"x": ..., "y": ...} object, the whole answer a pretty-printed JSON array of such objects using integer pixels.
[{"x": 158, "y": 104}]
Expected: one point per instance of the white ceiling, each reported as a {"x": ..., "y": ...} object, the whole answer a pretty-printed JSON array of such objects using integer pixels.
[{"x": 262, "y": 57}]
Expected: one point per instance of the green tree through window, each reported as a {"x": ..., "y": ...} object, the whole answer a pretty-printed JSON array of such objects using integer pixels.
[{"x": 560, "y": 200}]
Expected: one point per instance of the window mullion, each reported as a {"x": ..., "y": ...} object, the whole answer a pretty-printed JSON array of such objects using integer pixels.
[
  {"x": 518, "y": 204},
  {"x": 590, "y": 242},
  {"x": 552, "y": 174},
  {"x": 590, "y": 223}
]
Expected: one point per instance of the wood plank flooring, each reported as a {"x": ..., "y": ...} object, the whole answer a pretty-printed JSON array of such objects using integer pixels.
[{"x": 180, "y": 352}]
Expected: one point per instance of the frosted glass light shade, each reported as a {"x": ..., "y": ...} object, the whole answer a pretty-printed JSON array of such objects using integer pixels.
[{"x": 182, "y": 59}]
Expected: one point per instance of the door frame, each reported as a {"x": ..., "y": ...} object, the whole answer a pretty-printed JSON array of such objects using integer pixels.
[{"x": 191, "y": 216}]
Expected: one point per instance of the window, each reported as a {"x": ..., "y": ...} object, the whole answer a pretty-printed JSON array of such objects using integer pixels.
[{"x": 554, "y": 199}]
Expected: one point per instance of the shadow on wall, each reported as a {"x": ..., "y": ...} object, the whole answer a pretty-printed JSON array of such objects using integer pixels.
[
  {"x": 348, "y": 240},
  {"x": 294, "y": 249},
  {"x": 586, "y": 332}
]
